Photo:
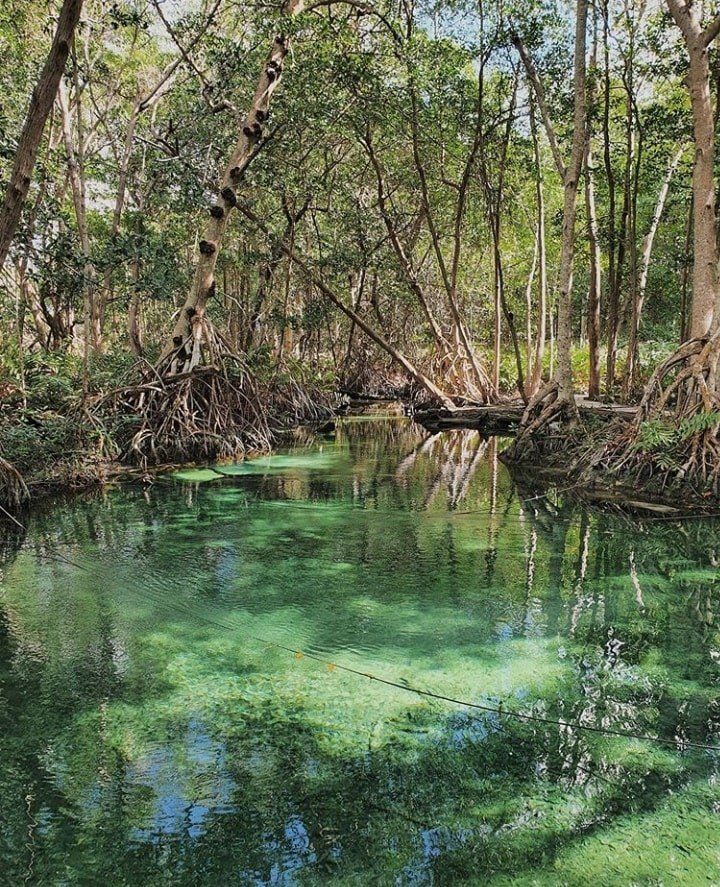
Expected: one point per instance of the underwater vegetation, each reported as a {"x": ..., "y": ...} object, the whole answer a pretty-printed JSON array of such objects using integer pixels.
[{"x": 174, "y": 707}]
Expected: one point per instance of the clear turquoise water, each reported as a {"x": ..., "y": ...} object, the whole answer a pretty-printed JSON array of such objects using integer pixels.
[{"x": 154, "y": 730}]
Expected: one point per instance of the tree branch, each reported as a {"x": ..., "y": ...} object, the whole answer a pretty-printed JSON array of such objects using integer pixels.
[
  {"x": 542, "y": 102},
  {"x": 711, "y": 31}
]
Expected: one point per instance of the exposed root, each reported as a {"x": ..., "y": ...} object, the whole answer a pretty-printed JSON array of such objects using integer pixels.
[
  {"x": 364, "y": 377},
  {"x": 459, "y": 378},
  {"x": 210, "y": 412},
  {"x": 545, "y": 408},
  {"x": 205, "y": 346},
  {"x": 675, "y": 434},
  {"x": 13, "y": 491},
  {"x": 691, "y": 364},
  {"x": 203, "y": 402},
  {"x": 293, "y": 403},
  {"x": 200, "y": 402}
]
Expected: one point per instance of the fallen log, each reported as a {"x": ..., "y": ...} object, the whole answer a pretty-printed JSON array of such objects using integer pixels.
[{"x": 505, "y": 418}]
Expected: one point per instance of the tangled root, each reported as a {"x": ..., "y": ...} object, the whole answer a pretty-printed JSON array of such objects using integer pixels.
[
  {"x": 13, "y": 490},
  {"x": 200, "y": 402},
  {"x": 686, "y": 381},
  {"x": 366, "y": 376},
  {"x": 459, "y": 380},
  {"x": 294, "y": 403},
  {"x": 682, "y": 394},
  {"x": 210, "y": 412},
  {"x": 546, "y": 407}
]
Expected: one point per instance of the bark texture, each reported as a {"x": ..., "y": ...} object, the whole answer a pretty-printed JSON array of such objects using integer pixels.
[
  {"x": 41, "y": 103},
  {"x": 705, "y": 284},
  {"x": 185, "y": 344}
]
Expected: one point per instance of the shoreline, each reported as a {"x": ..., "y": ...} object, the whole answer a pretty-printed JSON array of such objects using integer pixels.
[
  {"x": 497, "y": 420},
  {"x": 546, "y": 467}
]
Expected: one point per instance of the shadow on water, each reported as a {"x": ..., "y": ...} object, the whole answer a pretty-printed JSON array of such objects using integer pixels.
[{"x": 152, "y": 731}]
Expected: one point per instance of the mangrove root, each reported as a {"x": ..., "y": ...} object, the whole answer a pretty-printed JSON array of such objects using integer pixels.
[
  {"x": 13, "y": 490},
  {"x": 209, "y": 412},
  {"x": 675, "y": 433}
]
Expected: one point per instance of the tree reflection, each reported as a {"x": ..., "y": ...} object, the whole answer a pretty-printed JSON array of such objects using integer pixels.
[{"x": 149, "y": 725}]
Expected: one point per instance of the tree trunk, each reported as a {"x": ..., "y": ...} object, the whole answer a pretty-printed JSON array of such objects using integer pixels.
[
  {"x": 189, "y": 322},
  {"x": 529, "y": 312},
  {"x": 497, "y": 317},
  {"x": 706, "y": 291},
  {"x": 685, "y": 277},
  {"x": 76, "y": 174},
  {"x": 639, "y": 299},
  {"x": 560, "y": 397},
  {"x": 610, "y": 182},
  {"x": 564, "y": 375},
  {"x": 41, "y": 103},
  {"x": 705, "y": 309},
  {"x": 594, "y": 288},
  {"x": 535, "y": 376},
  {"x": 622, "y": 242},
  {"x": 133, "y": 317}
]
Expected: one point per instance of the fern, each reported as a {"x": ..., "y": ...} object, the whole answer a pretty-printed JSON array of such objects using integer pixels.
[
  {"x": 654, "y": 435},
  {"x": 697, "y": 424},
  {"x": 661, "y": 440}
]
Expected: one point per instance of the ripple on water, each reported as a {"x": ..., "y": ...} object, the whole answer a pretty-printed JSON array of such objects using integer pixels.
[{"x": 150, "y": 720}]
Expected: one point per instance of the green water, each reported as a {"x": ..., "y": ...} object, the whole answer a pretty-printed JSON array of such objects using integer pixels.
[{"x": 154, "y": 730}]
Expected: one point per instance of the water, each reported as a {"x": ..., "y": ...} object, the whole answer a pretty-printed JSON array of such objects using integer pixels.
[{"x": 155, "y": 727}]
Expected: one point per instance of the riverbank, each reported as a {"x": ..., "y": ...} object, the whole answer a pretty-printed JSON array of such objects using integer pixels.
[
  {"x": 573, "y": 459},
  {"x": 56, "y": 442},
  {"x": 563, "y": 459}
]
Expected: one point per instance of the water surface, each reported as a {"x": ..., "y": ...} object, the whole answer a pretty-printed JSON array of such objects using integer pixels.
[{"x": 172, "y": 710}]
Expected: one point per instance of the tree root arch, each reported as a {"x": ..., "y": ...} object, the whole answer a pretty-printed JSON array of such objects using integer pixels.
[{"x": 674, "y": 436}]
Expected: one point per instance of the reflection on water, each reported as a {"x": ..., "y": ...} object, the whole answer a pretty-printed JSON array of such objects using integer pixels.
[{"x": 153, "y": 730}]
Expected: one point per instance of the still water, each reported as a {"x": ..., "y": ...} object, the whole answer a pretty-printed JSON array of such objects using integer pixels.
[{"x": 173, "y": 707}]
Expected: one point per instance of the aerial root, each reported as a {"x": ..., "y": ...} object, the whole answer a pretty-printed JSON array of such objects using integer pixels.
[
  {"x": 460, "y": 378},
  {"x": 13, "y": 490},
  {"x": 208, "y": 412},
  {"x": 202, "y": 402},
  {"x": 292, "y": 402},
  {"x": 682, "y": 393},
  {"x": 547, "y": 406}
]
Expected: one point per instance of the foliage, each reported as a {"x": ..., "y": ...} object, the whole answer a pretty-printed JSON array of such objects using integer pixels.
[
  {"x": 661, "y": 437},
  {"x": 425, "y": 109}
]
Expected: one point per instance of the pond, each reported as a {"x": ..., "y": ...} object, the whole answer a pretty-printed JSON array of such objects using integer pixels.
[{"x": 186, "y": 691}]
